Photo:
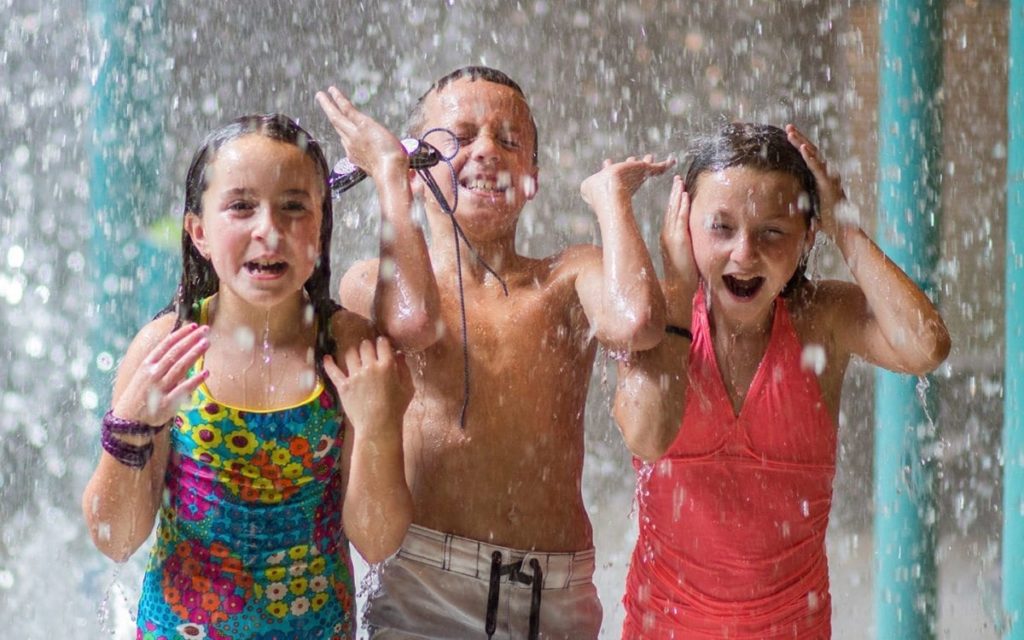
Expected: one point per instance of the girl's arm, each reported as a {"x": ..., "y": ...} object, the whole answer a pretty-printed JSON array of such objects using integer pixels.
[
  {"x": 885, "y": 318},
  {"x": 406, "y": 302},
  {"x": 618, "y": 288},
  {"x": 120, "y": 502},
  {"x": 652, "y": 385},
  {"x": 375, "y": 388}
]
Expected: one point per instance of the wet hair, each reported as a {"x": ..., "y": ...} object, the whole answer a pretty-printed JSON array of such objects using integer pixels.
[
  {"x": 758, "y": 146},
  {"x": 198, "y": 278},
  {"x": 415, "y": 124}
]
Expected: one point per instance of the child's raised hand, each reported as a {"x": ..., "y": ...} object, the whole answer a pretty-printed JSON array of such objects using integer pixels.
[
  {"x": 368, "y": 144},
  {"x": 622, "y": 178},
  {"x": 834, "y": 207},
  {"x": 681, "y": 273},
  {"x": 375, "y": 387},
  {"x": 160, "y": 384}
]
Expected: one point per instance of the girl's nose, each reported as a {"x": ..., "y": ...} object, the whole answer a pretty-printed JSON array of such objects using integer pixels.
[
  {"x": 267, "y": 228},
  {"x": 744, "y": 251}
]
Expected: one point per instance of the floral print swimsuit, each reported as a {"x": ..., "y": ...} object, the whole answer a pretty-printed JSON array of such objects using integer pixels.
[{"x": 249, "y": 543}]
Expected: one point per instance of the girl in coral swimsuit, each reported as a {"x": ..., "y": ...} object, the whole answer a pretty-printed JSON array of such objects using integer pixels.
[{"x": 733, "y": 417}]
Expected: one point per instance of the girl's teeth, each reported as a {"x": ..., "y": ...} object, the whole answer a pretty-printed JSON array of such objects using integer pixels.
[{"x": 266, "y": 266}]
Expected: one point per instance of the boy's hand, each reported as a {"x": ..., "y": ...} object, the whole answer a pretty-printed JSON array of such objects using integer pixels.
[
  {"x": 621, "y": 178},
  {"x": 368, "y": 144},
  {"x": 681, "y": 273},
  {"x": 834, "y": 208},
  {"x": 156, "y": 389},
  {"x": 376, "y": 388}
]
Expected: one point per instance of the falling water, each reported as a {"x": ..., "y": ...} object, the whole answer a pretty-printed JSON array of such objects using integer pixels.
[{"x": 606, "y": 78}]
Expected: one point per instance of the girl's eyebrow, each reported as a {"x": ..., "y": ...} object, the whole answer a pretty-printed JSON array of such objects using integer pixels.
[
  {"x": 237, "y": 191},
  {"x": 245, "y": 191}
]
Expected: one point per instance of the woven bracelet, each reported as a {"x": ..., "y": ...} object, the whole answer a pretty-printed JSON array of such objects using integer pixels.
[
  {"x": 679, "y": 331},
  {"x": 131, "y": 455},
  {"x": 121, "y": 426}
]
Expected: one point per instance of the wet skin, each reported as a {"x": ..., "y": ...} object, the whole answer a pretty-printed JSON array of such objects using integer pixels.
[{"x": 512, "y": 476}]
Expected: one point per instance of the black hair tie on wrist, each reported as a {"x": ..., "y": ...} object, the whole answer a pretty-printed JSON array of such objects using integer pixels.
[{"x": 679, "y": 331}]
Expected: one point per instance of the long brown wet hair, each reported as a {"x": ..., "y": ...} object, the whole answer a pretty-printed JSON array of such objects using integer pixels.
[{"x": 198, "y": 278}]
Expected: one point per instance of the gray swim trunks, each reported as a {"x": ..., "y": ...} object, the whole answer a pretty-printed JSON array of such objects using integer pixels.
[{"x": 443, "y": 586}]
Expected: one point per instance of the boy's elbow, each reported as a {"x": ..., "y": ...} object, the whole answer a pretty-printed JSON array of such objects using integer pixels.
[
  {"x": 635, "y": 332},
  {"x": 415, "y": 331}
]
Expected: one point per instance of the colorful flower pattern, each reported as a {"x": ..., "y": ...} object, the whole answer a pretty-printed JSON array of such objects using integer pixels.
[{"x": 249, "y": 542}]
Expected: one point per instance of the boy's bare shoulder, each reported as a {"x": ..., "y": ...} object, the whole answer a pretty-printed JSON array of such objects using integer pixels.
[{"x": 569, "y": 262}]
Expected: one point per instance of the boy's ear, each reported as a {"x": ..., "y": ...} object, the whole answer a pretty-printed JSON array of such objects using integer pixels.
[
  {"x": 532, "y": 183},
  {"x": 196, "y": 231}
]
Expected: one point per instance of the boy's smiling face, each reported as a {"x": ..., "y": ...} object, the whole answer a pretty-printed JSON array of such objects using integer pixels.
[{"x": 494, "y": 166}]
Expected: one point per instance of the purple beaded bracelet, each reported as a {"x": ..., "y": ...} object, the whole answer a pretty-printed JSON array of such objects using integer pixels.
[
  {"x": 131, "y": 455},
  {"x": 128, "y": 427}
]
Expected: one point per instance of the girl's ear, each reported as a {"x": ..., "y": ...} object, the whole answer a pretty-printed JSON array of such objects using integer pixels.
[
  {"x": 196, "y": 231},
  {"x": 810, "y": 238}
]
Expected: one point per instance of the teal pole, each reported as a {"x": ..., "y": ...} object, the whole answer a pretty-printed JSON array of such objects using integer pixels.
[
  {"x": 1013, "y": 420},
  {"x": 125, "y": 158},
  {"x": 909, "y": 201}
]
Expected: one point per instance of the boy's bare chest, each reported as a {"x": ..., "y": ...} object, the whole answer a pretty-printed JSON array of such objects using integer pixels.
[{"x": 530, "y": 329}]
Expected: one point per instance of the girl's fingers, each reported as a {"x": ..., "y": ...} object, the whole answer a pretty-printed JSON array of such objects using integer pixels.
[
  {"x": 186, "y": 387},
  {"x": 180, "y": 365},
  {"x": 368, "y": 351},
  {"x": 684, "y": 213},
  {"x": 674, "y": 201},
  {"x": 169, "y": 350},
  {"x": 333, "y": 371},
  {"x": 169, "y": 341},
  {"x": 353, "y": 361},
  {"x": 385, "y": 353}
]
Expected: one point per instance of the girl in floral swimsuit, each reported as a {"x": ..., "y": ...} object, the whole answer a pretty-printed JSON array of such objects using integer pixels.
[{"x": 233, "y": 425}]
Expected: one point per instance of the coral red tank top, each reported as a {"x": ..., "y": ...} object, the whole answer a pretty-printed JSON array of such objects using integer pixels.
[{"x": 733, "y": 517}]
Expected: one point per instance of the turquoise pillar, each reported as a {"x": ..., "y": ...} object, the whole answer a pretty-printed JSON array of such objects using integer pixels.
[
  {"x": 126, "y": 159},
  {"x": 1013, "y": 401},
  {"x": 909, "y": 200}
]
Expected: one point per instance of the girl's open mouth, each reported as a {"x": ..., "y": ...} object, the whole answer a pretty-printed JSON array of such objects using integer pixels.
[
  {"x": 743, "y": 287},
  {"x": 270, "y": 268}
]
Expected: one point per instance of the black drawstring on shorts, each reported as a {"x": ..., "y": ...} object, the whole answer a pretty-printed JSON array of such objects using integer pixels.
[{"x": 514, "y": 571}]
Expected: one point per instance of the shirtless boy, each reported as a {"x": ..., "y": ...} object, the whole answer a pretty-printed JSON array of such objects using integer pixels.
[{"x": 502, "y": 544}]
